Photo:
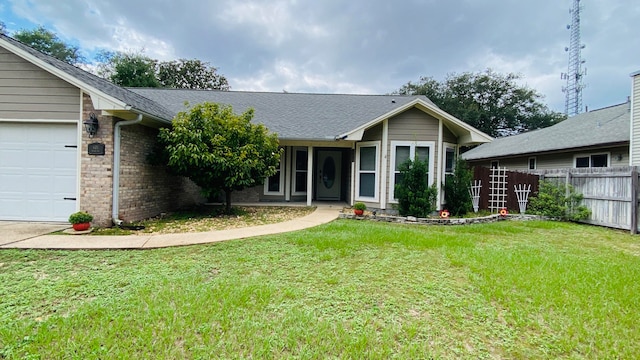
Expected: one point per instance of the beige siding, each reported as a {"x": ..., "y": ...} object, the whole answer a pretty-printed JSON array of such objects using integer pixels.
[
  {"x": 559, "y": 161},
  {"x": 413, "y": 125},
  {"x": 635, "y": 120},
  {"x": 373, "y": 134},
  {"x": 448, "y": 136},
  {"x": 28, "y": 92}
]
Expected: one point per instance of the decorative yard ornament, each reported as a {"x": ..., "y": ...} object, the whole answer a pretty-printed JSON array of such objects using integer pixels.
[
  {"x": 444, "y": 214},
  {"x": 504, "y": 212},
  {"x": 522, "y": 192},
  {"x": 474, "y": 191}
]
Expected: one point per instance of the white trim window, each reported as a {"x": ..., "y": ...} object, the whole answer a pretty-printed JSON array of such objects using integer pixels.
[
  {"x": 591, "y": 160},
  {"x": 533, "y": 163},
  {"x": 402, "y": 151},
  {"x": 368, "y": 171},
  {"x": 274, "y": 185},
  {"x": 300, "y": 171}
]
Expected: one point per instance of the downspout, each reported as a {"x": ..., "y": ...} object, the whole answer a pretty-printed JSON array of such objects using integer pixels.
[{"x": 115, "y": 206}]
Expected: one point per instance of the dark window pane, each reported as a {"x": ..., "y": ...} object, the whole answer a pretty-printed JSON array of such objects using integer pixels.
[
  {"x": 398, "y": 178},
  {"x": 532, "y": 164},
  {"x": 274, "y": 183},
  {"x": 301, "y": 182},
  {"x": 368, "y": 158},
  {"x": 599, "y": 160},
  {"x": 367, "y": 185},
  {"x": 402, "y": 155},
  {"x": 582, "y": 162},
  {"x": 422, "y": 154},
  {"x": 301, "y": 160},
  {"x": 449, "y": 160}
]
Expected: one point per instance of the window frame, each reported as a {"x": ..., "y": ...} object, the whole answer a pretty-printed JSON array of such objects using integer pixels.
[
  {"x": 412, "y": 152},
  {"x": 282, "y": 176},
  {"x": 535, "y": 163},
  {"x": 590, "y": 157},
  {"x": 376, "y": 172},
  {"x": 295, "y": 171}
]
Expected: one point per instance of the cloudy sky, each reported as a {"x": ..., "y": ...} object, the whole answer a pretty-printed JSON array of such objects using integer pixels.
[{"x": 357, "y": 46}]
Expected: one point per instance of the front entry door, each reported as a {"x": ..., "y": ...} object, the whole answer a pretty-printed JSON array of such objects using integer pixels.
[{"x": 328, "y": 172}]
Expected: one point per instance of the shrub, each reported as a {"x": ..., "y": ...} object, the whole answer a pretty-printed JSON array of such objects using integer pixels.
[
  {"x": 80, "y": 217},
  {"x": 456, "y": 189},
  {"x": 415, "y": 197},
  {"x": 359, "y": 206},
  {"x": 558, "y": 201}
]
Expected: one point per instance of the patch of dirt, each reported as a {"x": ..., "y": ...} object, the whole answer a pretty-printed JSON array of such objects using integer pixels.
[{"x": 244, "y": 216}]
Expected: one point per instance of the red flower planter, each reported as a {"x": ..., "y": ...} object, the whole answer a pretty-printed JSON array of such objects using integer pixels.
[
  {"x": 81, "y": 226},
  {"x": 358, "y": 212}
]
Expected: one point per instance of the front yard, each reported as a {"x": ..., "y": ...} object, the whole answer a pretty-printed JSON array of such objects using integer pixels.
[{"x": 348, "y": 289}]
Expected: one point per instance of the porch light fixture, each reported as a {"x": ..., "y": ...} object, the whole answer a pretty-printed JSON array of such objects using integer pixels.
[{"x": 91, "y": 124}]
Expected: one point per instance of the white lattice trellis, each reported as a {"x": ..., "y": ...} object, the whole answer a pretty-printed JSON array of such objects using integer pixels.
[{"x": 498, "y": 189}]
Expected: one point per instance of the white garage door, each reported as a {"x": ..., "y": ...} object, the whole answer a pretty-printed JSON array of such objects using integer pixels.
[{"x": 37, "y": 171}]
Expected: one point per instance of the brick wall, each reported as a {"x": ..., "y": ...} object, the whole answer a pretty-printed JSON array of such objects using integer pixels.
[
  {"x": 145, "y": 190},
  {"x": 96, "y": 177}
]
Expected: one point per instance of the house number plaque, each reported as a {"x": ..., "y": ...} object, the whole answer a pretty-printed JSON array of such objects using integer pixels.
[{"x": 96, "y": 149}]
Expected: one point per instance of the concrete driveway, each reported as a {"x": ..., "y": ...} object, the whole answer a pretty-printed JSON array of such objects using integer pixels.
[{"x": 13, "y": 231}]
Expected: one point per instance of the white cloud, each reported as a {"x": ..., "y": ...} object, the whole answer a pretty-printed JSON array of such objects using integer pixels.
[{"x": 287, "y": 76}]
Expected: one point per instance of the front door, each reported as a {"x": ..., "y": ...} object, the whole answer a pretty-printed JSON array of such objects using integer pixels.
[{"x": 328, "y": 172}]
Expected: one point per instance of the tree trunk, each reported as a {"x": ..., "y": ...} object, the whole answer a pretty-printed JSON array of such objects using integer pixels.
[{"x": 227, "y": 204}]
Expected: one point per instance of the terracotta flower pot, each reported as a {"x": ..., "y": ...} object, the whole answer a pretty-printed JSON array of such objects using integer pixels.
[
  {"x": 358, "y": 212},
  {"x": 81, "y": 226}
]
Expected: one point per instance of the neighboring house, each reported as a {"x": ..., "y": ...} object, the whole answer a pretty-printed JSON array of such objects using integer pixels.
[
  {"x": 598, "y": 138},
  {"x": 343, "y": 148}
]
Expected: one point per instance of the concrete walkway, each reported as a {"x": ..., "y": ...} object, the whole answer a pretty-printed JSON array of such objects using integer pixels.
[{"x": 323, "y": 214}]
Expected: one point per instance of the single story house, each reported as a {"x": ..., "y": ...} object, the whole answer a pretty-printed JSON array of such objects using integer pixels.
[
  {"x": 598, "y": 138},
  {"x": 343, "y": 148}
]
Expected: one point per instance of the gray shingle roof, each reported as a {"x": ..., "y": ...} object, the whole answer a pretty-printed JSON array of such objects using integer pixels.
[
  {"x": 130, "y": 98},
  {"x": 609, "y": 125},
  {"x": 290, "y": 115}
]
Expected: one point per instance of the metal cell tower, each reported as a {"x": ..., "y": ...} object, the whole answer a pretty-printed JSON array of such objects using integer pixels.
[{"x": 576, "y": 73}]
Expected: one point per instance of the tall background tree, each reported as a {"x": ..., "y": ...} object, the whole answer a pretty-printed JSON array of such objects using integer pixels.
[
  {"x": 128, "y": 69},
  {"x": 3, "y": 28},
  {"x": 190, "y": 74},
  {"x": 134, "y": 69},
  {"x": 219, "y": 150},
  {"x": 491, "y": 102},
  {"x": 49, "y": 43}
]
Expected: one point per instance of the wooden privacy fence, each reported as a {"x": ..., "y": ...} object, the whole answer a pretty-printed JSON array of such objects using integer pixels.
[{"x": 610, "y": 193}]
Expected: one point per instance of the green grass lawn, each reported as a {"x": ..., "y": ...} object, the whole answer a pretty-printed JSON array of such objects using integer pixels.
[{"x": 348, "y": 289}]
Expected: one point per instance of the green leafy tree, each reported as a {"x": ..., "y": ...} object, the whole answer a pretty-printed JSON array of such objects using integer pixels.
[
  {"x": 558, "y": 201},
  {"x": 456, "y": 189},
  {"x": 128, "y": 69},
  {"x": 48, "y": 42},
  {"x": 491, "y": 102},
  {"x": 190, "y": 74},
  {"x": 220, "y": 150},
  {"x": 3, "y": 28},
  {"x": 415, "y": 196}
]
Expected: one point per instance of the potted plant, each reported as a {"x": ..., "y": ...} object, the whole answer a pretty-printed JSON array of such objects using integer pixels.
[
  {"x": 359, "y": 208},
  {"x": 80, "y": 220}
]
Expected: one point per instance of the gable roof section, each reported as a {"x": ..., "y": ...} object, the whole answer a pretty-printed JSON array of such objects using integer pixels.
[
  {"x": 600, "y": 127},
  {"x": 106, "y": 94},
  {"x": 295, "y": 116}
]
